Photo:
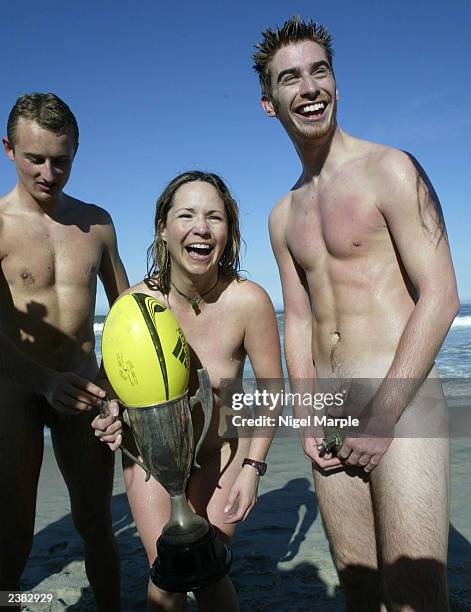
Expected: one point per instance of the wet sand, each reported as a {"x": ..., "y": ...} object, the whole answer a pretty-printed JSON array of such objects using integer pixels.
[{"x": 282, "y": 560}]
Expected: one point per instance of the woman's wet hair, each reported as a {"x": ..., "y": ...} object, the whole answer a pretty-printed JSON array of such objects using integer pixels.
[{"x": 158, "y": 259}]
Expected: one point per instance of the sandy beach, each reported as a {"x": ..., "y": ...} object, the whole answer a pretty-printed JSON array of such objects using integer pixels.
[{"x": 282, "y": 561}]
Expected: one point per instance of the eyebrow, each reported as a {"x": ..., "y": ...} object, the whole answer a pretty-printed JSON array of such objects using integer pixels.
[
  {"x": 189, "y": 209},
  {"x": 40, "y": 156},
  {"x": 179, "y": 209},
  {"x": 296, "y": 71}
]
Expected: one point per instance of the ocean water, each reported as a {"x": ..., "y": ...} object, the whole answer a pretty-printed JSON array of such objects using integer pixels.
[{"x": 453, "y": 360}]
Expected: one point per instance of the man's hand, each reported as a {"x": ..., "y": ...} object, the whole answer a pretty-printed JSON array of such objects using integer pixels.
[
  {"x": 109, "y": 429},
  {"x": 310, "y": 441},
  {"x": 364, "y": 452},
  {"x": 69, "y": 393}
]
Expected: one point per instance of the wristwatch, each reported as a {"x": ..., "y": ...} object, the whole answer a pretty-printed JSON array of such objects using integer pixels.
[{"x": 260, "y": 466}]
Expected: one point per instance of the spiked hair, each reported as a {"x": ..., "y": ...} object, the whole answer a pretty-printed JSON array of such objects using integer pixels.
[{"x": 292, "y": 31}]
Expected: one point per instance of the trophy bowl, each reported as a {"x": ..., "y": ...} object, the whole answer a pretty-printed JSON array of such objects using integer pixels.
[
  {"x": 189, "y": 553},
  {"x": 146, "y": 358}
]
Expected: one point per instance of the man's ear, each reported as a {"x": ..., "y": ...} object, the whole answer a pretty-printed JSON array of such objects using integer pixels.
[
  {"x": 8, "y": 148},
  {"x": 267, "y": 106}
]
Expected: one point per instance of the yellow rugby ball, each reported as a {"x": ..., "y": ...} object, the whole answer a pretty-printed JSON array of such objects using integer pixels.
[{"x": 145, "y": 354}]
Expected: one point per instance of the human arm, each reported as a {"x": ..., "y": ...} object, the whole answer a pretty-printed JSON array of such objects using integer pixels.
[
  {"x": 262, "y": 346},
  {"x": 412, "y": 213},
  {"x": 298, "y": 333},
  {"x": 108, "y": 427},
  {"x": 66, "y": 392},
  {"x": 115, "y": 281},
  {"x": 111, "y": 272}
]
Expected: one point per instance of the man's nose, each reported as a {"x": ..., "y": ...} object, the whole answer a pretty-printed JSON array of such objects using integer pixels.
[
  {"x": 309, "y": 86},
  {"x": 48, "y": 171}
]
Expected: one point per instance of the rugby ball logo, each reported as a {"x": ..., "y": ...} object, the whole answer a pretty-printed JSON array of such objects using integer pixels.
[{"x": 145, "y": 353}]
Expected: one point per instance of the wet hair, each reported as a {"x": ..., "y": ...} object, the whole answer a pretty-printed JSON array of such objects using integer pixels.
[
  {"x": 158, "y": 260},
  {"x": 293, "y": 30},
  {"x": 49, "y": 112}
]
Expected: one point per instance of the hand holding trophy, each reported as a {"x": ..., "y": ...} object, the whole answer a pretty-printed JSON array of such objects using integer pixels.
[{"x": 146, "y": 359}]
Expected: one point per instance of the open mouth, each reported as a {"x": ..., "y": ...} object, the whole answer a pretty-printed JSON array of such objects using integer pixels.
[
  {"x": 199, "y": 250},
  {"x": 312, "y": 110},
  {"x": 45, "y": 187}
]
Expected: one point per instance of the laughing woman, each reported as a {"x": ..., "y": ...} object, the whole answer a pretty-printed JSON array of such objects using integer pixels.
[{"x": 194, "y": 271}]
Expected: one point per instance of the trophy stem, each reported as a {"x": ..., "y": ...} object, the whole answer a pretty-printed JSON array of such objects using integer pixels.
[{"x": 184, "y": 525}]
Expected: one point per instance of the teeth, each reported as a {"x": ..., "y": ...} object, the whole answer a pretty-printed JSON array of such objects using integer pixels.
[
  {"x": 312, "y": 108},
  {"x": 198, "y": 245}
]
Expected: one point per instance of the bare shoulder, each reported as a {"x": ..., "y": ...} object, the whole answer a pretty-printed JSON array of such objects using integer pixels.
[
  {"x": 281, "y": 208},
  {"x": 7, "y": 202},
  {"x": 402, "y": 188},
  {"x": 6, "y": 206},
  {"x": 249, "y": 296},
  {"x": 389, "y": 168},
  {"x": 143, "y": 286},
  {"x": 278, "y": 217},
  {"x": 86, "y": 211}
]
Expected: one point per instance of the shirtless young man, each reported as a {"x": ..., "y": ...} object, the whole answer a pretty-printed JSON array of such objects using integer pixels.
[
  {"x": 52, "y": 247},
  {"x": 367, "y": 275}
]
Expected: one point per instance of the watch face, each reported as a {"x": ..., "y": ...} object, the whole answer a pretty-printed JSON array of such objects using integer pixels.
[{"x": 260, "y": 466}]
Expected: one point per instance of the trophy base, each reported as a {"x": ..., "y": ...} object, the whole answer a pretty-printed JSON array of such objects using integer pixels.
[{"x": 182, "y": 568}]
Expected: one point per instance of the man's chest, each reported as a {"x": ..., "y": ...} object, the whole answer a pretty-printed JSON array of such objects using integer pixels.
[
  {"x": 37, "y": 257},
  {"x": 335, "y": 224}
]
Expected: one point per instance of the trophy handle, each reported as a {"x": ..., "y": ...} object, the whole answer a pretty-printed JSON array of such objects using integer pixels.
[
  {"x": 104, "y": 412},
  {"x": 203, "y": 396}
]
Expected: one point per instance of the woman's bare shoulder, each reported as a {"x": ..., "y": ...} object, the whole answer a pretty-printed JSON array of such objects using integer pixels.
[
  {"x": 247, "y": 293},
  {"x": 145, "y": 286}
]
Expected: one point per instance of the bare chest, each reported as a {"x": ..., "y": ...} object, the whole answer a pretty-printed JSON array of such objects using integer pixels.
[
  {"x": 39, "y": 257},
  {"x": 217, "y": 345},
  {"x": 334, "y": 223}
]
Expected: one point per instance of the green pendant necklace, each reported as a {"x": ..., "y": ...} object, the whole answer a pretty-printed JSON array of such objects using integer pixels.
[{"x": 195, "y": 301}]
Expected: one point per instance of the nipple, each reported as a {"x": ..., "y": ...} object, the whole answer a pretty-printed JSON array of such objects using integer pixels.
[{"x": 27, "y": 277}]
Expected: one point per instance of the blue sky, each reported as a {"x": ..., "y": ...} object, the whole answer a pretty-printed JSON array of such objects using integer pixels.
[{"x": 161, "y": 87}]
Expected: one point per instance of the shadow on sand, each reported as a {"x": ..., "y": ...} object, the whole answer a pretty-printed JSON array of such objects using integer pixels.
[{"x": 273, "y": 534}]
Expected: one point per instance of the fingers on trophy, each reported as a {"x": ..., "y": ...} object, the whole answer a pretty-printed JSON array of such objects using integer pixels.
[
  {"x": 332, "y": 442},
  {"x": 146, "y": 359}
]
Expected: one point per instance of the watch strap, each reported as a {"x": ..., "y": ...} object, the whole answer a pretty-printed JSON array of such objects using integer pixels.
[{"x": 260, "y": 466}]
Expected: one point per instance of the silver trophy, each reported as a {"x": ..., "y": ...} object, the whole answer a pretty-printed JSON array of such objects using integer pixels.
[{"x": 189, "y": 553}]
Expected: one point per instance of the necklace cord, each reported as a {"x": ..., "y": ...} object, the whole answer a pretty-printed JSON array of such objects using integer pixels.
[{"x": 194, "y": 301}]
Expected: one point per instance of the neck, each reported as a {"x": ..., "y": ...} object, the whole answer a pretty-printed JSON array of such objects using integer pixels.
[
  {"x": 29, "y": 203},
  {"x": 189, "y": 287},
  {"x": 319, "y": 155}
]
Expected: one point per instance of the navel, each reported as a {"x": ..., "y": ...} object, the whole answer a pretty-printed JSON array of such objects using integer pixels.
[{"x": 334, "y": 340}]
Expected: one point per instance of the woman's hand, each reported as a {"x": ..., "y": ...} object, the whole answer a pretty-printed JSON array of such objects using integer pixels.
[
  {"x": 242, "y": 496},
  {"x": 109, "y": 429}
]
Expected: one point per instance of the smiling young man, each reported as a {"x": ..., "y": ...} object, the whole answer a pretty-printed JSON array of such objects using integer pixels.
[
  {"x": 52, "y": 248},
  {"x": 369, "y": 293}
]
